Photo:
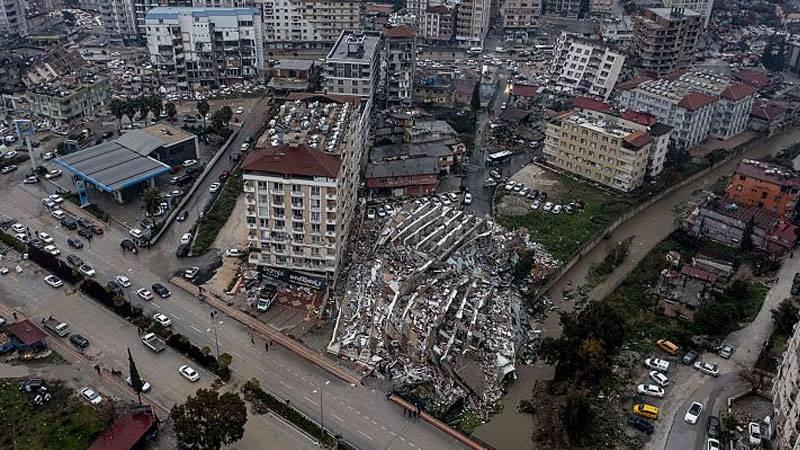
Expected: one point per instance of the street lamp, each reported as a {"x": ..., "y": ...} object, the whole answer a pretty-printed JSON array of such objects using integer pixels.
[
  {"x": 321, "y": 413},
  {"x": 216, "y": 341}
]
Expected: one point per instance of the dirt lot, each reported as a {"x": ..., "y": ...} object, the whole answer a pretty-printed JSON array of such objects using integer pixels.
[{"x": 534, "y": 177}]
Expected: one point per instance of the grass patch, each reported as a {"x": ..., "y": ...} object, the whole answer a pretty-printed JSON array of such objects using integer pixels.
[
  {"x": 63, "y": 424},
  {"x": 564, "y": 234},
  {"x": 212, "y": 222}
]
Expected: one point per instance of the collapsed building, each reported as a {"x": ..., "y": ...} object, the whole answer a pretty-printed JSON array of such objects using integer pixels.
[{"x": 432, "y": 306}]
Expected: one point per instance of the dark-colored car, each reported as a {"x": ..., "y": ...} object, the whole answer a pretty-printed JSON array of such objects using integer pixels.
[
  {"x": 161, "y": 290},
  {"x": 182, "y": 216},
  {"x": 85, "y": 233},
  {"x": 224, "y": 175},
  {"x": 128, "y": 244},
  {"x": 84, "y": 223},
  {"x": 183, "y": 250},
  {"x": 689, "y": 358},
  {"x": 31, "y": 385},
  {"x": 115, "y": 289},
  {"x": 69, "y": 223},
  {"x": 75, "y": 243},
  {"x": 36, "y": 243},
  {"x": 75, "y": 260},
  {"x": 641, "y": 424},
  {"x": 147, "y": 223},
  {"x": 795, "y": 289},
  {"x": 79, "y": 341},
  {"x": 184, "y": 180},
  {"x": 96, "y": 229},
  {"x": 542, "y": 196},
  {"x": 713, "y": 427}
]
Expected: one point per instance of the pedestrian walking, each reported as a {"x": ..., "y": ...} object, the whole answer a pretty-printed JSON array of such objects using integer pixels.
[
  {"x": 252, "y": 340},
  {"x": 97, "y": 368},
  {"x": 266, "y": 347},
  {"x": 404, "y": 412},
  {"x": 14, "y": 314}
]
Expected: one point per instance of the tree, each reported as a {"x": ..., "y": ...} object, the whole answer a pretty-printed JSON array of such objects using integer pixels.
[
  {"x": 144, "y": 108},
  {"x": 747, "y": 236},
  {"x": 151, "y": 200},
  {"x": 131, "y": 108},
  {"x": 203, "y": 108},
  {"x": 227, "y": 114},
  {"x": 207, "y": 421},
  {"x": 155, "y": 105},
  {"x": 218, "y": 120},
  {"x": 136, "y": 381},
  {"x": 171, "y": 110},
  {"x": 475, "y": 102},
  {"x": 578, "y": 416},
  {"x": 785, "y": 316},
  {"x": 118, "y": 108}
]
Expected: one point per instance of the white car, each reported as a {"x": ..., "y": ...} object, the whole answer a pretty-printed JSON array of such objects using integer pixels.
[
  {"x": 18, "y": 228},
  {"x": 55, "y": 173},
  {"x": 189, "y": 373},
  {"x": 145, "y": 384},
  {"x": 214, "y": 187},
  {"x": 389, "y": 209},
  {"x": 144, "y": 294},
  {"x": 189, "y": 163},
  {"x": 31, "y": 180},
  {"x": 707, "y": 368},
  {"x": 136, "y": 233},
  {"x": 548, "y": 207},
  {"x": 657, "y": 364},
  {"x": 754, "y": 433},
  {"x": 48, "y": 156},
  {"x": 713, "y": 444},
  {"x": 557, "y": 209},
  {"x": 46, "y": 238},
  {"x": 55, "y": 198},
  {"x": 659, "y": 378},
  {"x": 91, "y": 396},
  {"x": 651, "y": 390},
  {"x": 693, "y": 413},
  {"x": 186, "y": 238},
  {"x": 468, "y": 198},
  {"x": 191, "y": 272},
  {"x": 3, "y": 271},
  {"x": 239, "y": 110},
  {"x": 162, "y": 319},
  {"x": 53, "y": 250},
  {"x": 58, "y": 214},
  {"x": 123, "y": 281},
  {"x": 233, "y": 252},
  {"x": 87, "y": 270},
  {"x": 371, "y": 214},
  {"x": 53, "y": 281},
  {"x": 536, "y": 204},
  {"x": 245, "y": 146},
  {"x": 49, "y": 204}
]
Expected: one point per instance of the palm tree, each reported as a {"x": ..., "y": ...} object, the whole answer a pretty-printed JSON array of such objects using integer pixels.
[
  {"x": 131, "y": 108},
  {"x": 117, "y": 108},
  {"x": 144, "y": 108},
  {"x": 171, "y": 110},
  {"x": 203, "y": 108},
  {"x": 151, "y": 200}
]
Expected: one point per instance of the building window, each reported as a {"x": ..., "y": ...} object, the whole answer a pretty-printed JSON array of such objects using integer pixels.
[
  {"x": 315, "y": 227},
  {"x": 278, "y": 187},
  {"x": 276, "y": 199},
  {"x": 297, "y": 188},
  {"x": 278, "y": 212},
  {"x": 315, "y": 191}
]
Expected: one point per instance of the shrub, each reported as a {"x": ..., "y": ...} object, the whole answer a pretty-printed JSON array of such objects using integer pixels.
[
  {"x": 12, "y": 242},
  {"x": 221, "y": 210},
  {"x": 54, "y": 265}
]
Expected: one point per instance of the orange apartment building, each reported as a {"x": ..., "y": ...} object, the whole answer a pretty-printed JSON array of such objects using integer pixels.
[{"x": 766, "y": 186}]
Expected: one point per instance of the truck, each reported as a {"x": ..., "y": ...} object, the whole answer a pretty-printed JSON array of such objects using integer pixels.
[
  {"x": 57, "y": 327},
  {"x": 153, "y": 342}
]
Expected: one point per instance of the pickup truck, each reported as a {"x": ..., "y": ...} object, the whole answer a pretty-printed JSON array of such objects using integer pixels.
[
  {"x": 153, "y": 342},
  {"x": 57, "y": 327}
]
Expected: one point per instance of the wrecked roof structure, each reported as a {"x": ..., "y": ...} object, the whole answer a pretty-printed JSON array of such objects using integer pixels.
[{"x": 436, "y": 306}]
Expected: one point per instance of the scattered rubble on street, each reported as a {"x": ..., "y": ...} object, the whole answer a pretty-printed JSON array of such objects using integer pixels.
[{"x": 433, "y": 306}]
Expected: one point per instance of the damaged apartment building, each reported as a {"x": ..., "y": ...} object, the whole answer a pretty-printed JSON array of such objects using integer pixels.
[{"x": 433, "y": 307}]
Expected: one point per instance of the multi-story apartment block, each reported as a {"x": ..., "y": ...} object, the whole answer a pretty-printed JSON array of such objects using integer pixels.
[
  {"x": 520, "y": 15},
  {"x": 786, "y": 397},
  {"x": 766, "y": 186},
  {"x": 703, "y": 7},
  {"x": 399, "y": 63},
  {"x": 696, "y": 104},
  {"x": 585, "y": 66},
  {"x": 307, "y": 23},
  {"x": 119, "y": 21},
  {"x": 601, "y": 6},
  {"x": 610, "y": 151},
  {"x": 665, "y": 39},
  {"x": 69, "y": 97},
  {"x": 472, "y": 22},
  {"x": 52, "y": 65},
  {"x": 205, "y": 47},
  {"x": 353, "y": 65},
  {"x": 565, "y": 8},
  {"x": 301, "y": 184},
  {"x": 438, "y": 24},
  {"x": 12, "y": 17}
]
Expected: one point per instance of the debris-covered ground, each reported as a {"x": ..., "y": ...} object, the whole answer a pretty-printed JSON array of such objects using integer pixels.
[{"x": 430, "y": 304}]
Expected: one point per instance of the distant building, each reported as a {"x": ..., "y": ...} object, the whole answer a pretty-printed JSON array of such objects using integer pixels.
[
  {"x": 786, "y": 396},
  {"x": 53, "y": 65},
  {"x": 619, "y": 31},
  {"x": 402, "y": 178},
  {"x": 599, "y": 7},
  {"x": 564, "y": 8},
  {"x": 438, "y": 24},
  {"x": 472, "y": 22},
  {"x": 520, "y": 15},
  {"x": 12, "y": 17},
  {"x": 69, "y": 97},
  {"x": 353, "y": 65},
  {"x": 767, "y": 116},
  {"x": 307, "y": 24},
  {"x": 205, "y": 48},
  {"x": 703, "y": 7},
  {"x": 293, "y": 75},
  {"x": 682, "y": 294},
  {"x": 585, "y": 66},
  {"x": 119, "y": 21},
  {"x": 665, "y": 39},
  {"x": 767, "y": 186},
  {"x": 400, "y": 62}
]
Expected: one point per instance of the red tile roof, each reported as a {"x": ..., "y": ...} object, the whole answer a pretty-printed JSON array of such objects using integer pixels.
[
  {"x": 638, "y": 139},
  {"x": 399, "y": 32},
  {"x": 695, "y": 101},
  {"x": 632, "y": 83},
  {"x": 126, "y": 432},
  {"x": 675, "y": 74},
  {"x": 738, "y": 91},
  {"x": 700, "y": 274},
  {"x": 767, "y": 110},
  {"x": 756, "y": 78},
  {"x": 592, "y": 104},
  {"x": 291, "y": 159},
  {"x": 770, "y": 173},
  {"x": 524, "y": 90},
  {"x": 26, "y": 332},
  {"x": 639, "y": 117}
]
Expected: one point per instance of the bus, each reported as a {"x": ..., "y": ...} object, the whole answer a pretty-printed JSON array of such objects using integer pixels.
[
  {"x": 475, "y": 50},
  {"x": 497, "y": 158}
]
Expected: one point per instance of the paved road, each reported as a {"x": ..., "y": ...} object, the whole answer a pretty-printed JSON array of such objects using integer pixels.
[{"x": 359, "y": 413}]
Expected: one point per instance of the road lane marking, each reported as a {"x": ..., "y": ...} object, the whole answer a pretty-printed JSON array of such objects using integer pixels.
[
  {"x": 337, "y": 417},
  {"x": 402, "y": 438},
  {"x": 365, "y": 435},
  {"x": 374, "y": 423},
  {"x": 284, "y": 383},
  {"x": 236, "y": 354},
  {"x": 312, "y": 401},
  {"x": 195, "y": 329},
  {"x": 157, "y": 305}
]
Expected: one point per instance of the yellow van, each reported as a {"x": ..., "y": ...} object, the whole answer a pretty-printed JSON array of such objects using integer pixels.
[
  {"x": 646, "y": 411},
  {"x": 668, "y": 346}
]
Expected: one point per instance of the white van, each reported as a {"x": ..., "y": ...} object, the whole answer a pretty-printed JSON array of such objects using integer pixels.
[{"x": 475, "y": 50}]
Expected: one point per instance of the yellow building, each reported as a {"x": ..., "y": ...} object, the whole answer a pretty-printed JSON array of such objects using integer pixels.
[{"x": 605, "y": 149}]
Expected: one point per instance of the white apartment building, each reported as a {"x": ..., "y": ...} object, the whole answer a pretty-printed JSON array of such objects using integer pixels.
[
  {"x": 703, "y": 7},
  {"x": 353, "y": 65},
  {"x": 309, "y": 24},
  {"x": 197, "y": 48},
  {"x": 786, "y": 397},
  {"x": 12, "y": 17},
  {"x": 585, "y": 66},
  {"x": 119, "y": 21},
  {"x": 438, "y": 24},
  {"x": 399, "y": 64},
  {"x": 520, "y": 14},
  {"x": 301, "y": 184},
  {"x": 472, "y": 22},
  {"x": 698, "y": 105},
  {"x": 601, "y": 6}
]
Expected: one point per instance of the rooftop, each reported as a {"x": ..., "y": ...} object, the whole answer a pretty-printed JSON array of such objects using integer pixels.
[
  {"x": 591, "y": 104},
  {"x": 399, "y": 32},
  {"x": 166, "y": 134},
  {"x": 767, "y": 110},
  {"x": 317, "y": 121},
  {"x": 355, "y": 46},
  {"x": 639, "y": 117},
  {"x": 667, "y": 13},
  {"x": 26, "y": 332},
  {"x": 524, "y": 90},
  {"x": 169, "y": 12},
  {"x": 770, "y": 173},
  {"x": 612, "y": 128},
  {"x": 67, "y": 85},
  {"x": 294, "y": 64},
  {"x": 694, "y": 101},
  {"x": 756, "y": 78},
  {"x": 292, "y": 160},
  {"x": 428, "y": 165},
  {"x": 125, "y": 433},
  {"x": 408, "y": 151}
]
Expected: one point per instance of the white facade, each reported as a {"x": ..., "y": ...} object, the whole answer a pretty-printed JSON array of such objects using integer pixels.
[
  {"x": 438, "y": 24},
  {"x": 12, "y": 17},
  {"x": 585, "y": 66},
  {"x": 119, "y": 21},
  {"x": 786, "y": 397},
  {"x": 703, "y": 7},
  {"x": 317, "y": 24},
  {"x": 353, "y": 65},
  {"x": 520, "y": 14},
  {"x": 472, "y": 22},
  {"x": 197, "y": 48}
]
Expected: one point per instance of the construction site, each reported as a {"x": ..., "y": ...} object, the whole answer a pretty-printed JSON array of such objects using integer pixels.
[{"x": 431, "y": 305}]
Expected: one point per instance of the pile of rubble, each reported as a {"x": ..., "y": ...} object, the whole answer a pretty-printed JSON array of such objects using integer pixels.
[{"x": 432, "y": 305}]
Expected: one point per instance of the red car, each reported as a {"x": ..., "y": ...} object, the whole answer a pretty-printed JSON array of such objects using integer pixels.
[
  {"x": 174, "y": 169},
  {"x": 224, "y": 175}
]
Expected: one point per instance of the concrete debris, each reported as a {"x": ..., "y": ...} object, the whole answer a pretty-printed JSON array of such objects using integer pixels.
[{"x": 431, "y": 304}]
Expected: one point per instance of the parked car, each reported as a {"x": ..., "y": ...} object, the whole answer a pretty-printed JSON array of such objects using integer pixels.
[
  {"x": 115, "y": 289},
  {"x": 87, "y": 270},
  {"x": 162, "y": 319},
  {"x": 123, "y": 281},
  {"x": 651, "y": 390},
  {"x": 145, "y": 384},
  {"x": 55, "y": 173},
  {"x": 189, "y": 373},
  {"x": 641, "y": 424},
  {"x": 85, "y": 233},
  {"x": 53, "y": 281},
  {"x": 214, "y": 187},
  {"x": 713, "y": 444},
  {"x": 689, "y": 357},
  {"x": 754, "y": 433},
  {"x": 161, "y": 290},
  {"x": 693, "y": 413},
  {"x": 78, "y": 341},
  {"x": 714, "y": 427},
  {"x": 233, "y": 252},
  {"x": 91, "y": 396},
  {"x": 136, "y": 233},
  {"x": 657, "y": 364},
  {"x": 18, "y": 228},
  {"x": 75, "y": 260},
  {"x": 128, "y": 244},
  {"x": 190, "y": 273},
  {"x": 189, "y": 163},
  {"x": 186, "y": 238},
  {"x": 55, "y": 198},
  {"x": 75, "y": 243},
  {"x": 47, "y": 203},
  {"x": 58, "y": 214},
  {"x": 53, "y": 250},
  {"x": 659, "y": 378},
  {"x": 144, "y": 294},
  {"x": 46, "y": 238},
  {"x": 707, "y": 368},
  {"x": 31, "y": 180},
  {"x": 467, "y": 199},
  {"x": 726, "y": 351},
  {"x": 69, "y": 223}
]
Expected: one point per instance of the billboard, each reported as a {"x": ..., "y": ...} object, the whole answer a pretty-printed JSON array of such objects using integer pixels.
[
  {"x": 290, "y": 276},
  {"x": 24, "y": 128}
]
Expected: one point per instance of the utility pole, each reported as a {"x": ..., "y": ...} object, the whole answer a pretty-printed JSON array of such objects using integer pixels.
[{"x": 322, "y": 413}]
